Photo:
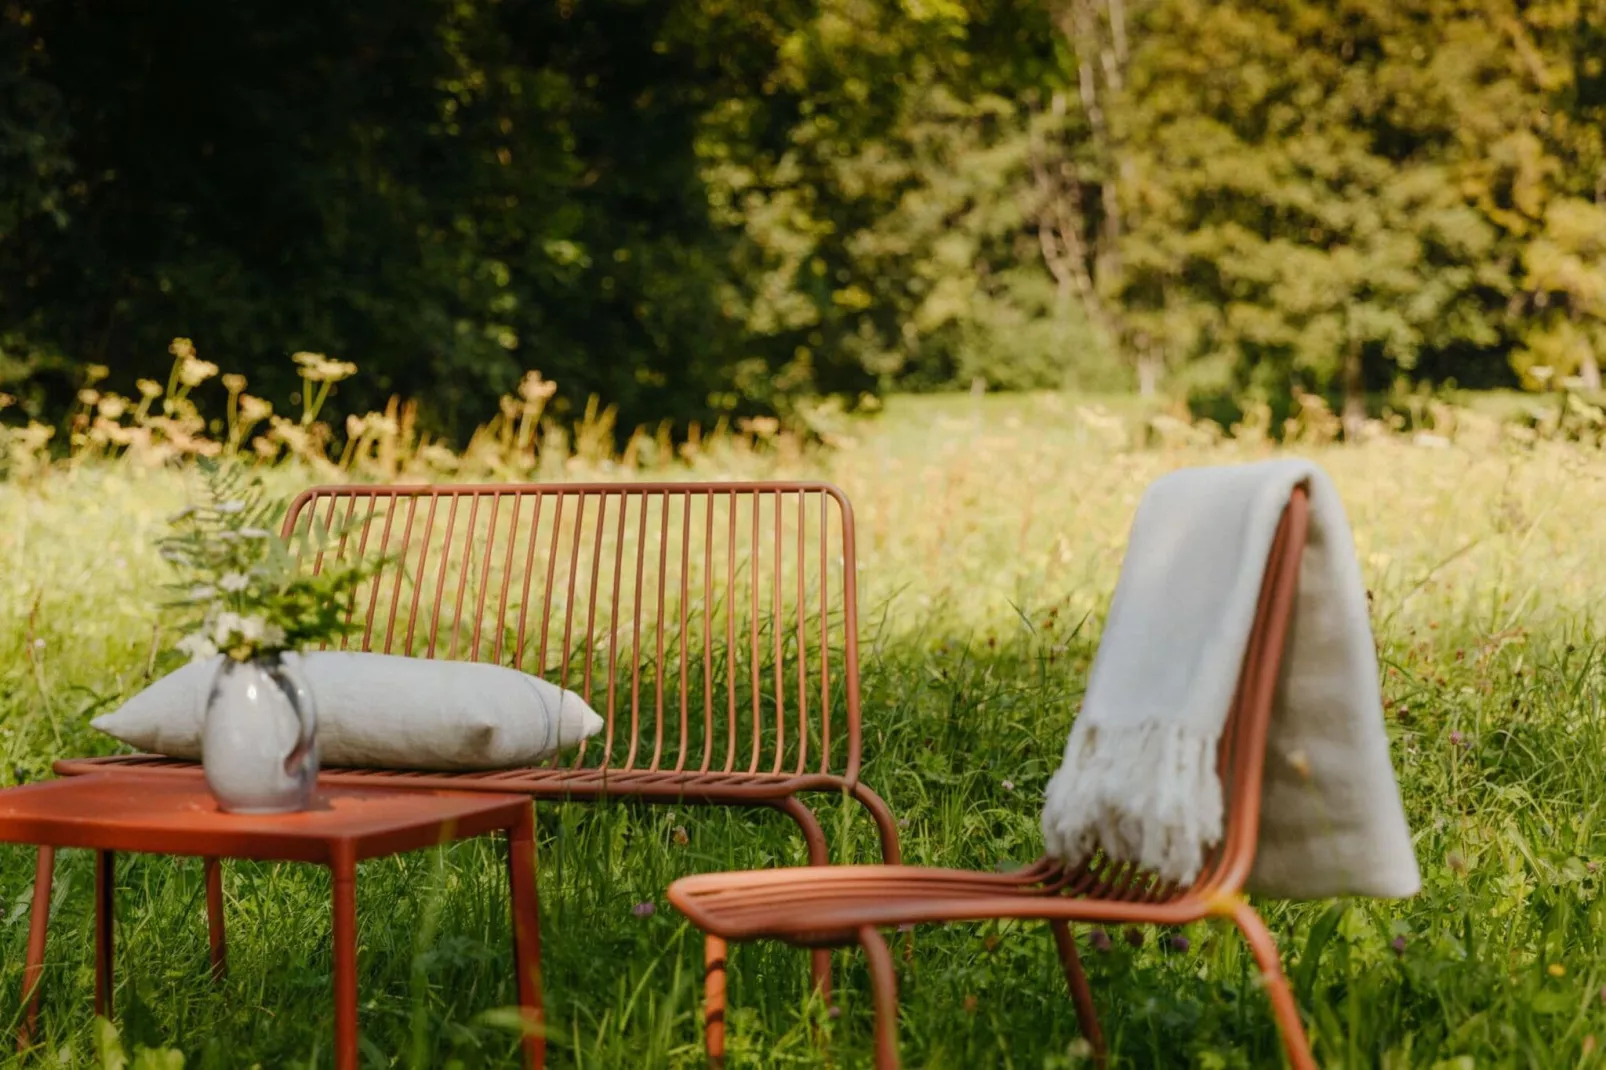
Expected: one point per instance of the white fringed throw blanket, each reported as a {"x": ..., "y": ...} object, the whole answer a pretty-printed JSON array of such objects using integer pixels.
[{"x": 1139, "y": 777}]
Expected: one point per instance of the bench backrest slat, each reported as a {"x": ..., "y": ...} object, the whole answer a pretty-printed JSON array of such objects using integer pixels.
[{"x": 712, "y": 625}]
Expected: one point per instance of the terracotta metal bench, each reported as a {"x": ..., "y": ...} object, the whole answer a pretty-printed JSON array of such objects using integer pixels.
[
  {"x": 714, "y": 626},
  {"x": 847, "y": 905}
]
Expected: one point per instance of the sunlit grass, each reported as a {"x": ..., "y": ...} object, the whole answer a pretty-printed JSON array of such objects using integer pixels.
[{"x": 990, "y": 536}]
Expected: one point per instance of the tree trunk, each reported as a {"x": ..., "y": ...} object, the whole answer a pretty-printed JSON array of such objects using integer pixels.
[
  {"x": 1148, "y": 372},
  {"x": 1589, "y": 370},
  {"x": 1354, "y": 393}
]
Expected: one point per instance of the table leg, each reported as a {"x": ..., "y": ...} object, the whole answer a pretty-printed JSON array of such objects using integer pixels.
[
  {"x": 38, "y": 927},
  {"x": 345, "y": 936},
  {"x": 527, "y": 935},
  {"x": 214, "y": 917},
  {"x": 105, "y": 885}
]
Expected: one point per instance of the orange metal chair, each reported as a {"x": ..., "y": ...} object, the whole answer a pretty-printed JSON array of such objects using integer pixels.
[
  {"x": 714, "y": 626},
  {"x": 825, "y": 907}
]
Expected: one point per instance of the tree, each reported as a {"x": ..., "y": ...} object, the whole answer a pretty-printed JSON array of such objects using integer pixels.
[{"x": 1298, "y": 191}]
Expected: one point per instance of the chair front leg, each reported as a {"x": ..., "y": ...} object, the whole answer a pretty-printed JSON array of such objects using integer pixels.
[
  {"x": 1081, "y": 993},
  {"x": 714, "y": 952},
  {"x": 1286, "y": 1011},
  {"x": 884, "y": 985}
]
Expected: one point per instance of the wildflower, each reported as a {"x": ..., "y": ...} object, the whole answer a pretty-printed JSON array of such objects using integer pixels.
[
  {"x": 254, "y": 409},
  {"x": 39, "y": 644},
  {"x": 1398, "y": 946},
  {"x": 1134, "y": 936},
  {"x": 182, "y": 348},
  {"x": 88, "y": 396},
  {"x": 231, "y": 507},
  {"x": 679, "y": 836},
  {"x": 234, "y": 382},
  {"x": 1556, "y": 969},
  {"x": 234, "y": 582},
  {"x": 833, "y": 1012},
  {"x": 198, "y": 647},
  {"x": 1100, "y": 940},
  {"x": 96, "y": 372},
  {"x": 644, "y": 910},
  {"x": 317, "y": 368},
  {"x": 255, "y": 533},
  {"x": 970, "y": 1004},
  {"x": 194, "y": 372},
  {"x": 149, "y": 388},
  {"x": 1178, "y": 942},
  {"x": 112, "y": 407},
  {"x": 273, "y": 636},
  {"x": 1455, "y": 739},
  {"x": 202, "y": 591},
  {"x": 1009, "y": 785},
  {"x": 534, "y": 388},
  {"x": 253, "y": 629},
  {"x": 1300, "y": 763}
]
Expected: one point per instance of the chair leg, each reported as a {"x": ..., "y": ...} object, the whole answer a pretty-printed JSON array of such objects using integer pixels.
[
  {"x": 214, "y": 918},
  {"x": 884, "y": 984},
  {"x": 38, "y": 929},
  {"x": 1283, "y": 1007},
  {"x": 819, "y": 855},
  {"x": 1081, "y": 994},
  {"x": 714, "y": 952}
]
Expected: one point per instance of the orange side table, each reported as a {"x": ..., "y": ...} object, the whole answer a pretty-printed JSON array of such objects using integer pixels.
[{"x": 178, "y": 816}]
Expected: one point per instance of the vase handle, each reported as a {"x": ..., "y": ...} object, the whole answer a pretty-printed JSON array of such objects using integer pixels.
[{"x": 295, "y": 689}]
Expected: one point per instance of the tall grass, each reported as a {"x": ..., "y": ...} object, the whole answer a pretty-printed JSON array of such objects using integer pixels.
[{"x": 991, "y": 532}]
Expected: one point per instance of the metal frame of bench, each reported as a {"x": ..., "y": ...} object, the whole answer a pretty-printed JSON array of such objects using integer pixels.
[{"x": 707, "y": 623}]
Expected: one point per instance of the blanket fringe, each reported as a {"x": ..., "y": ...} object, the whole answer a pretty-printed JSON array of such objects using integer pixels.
[{"x": 1166, "y": 829}]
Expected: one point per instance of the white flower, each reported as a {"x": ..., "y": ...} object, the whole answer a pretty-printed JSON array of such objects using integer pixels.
[
  {"x": 273, "y": 636},
  {"x": 252, "y": 629},
  {"x": 255, "y": 533},
  {"x": 234, "y": 582},
  {"x": 235, "y": 506},
  {"x": 198, "y": 647},
  {"x": 225, "y": 628},
  {"x": 202, "y": 592}
]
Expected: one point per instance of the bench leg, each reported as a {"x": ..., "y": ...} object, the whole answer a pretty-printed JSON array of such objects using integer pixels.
[
  {"x": 105, "y": 897},
  {"x": 345, "y": 955},
  {"x": 527, "y": 936},
  {"x": 38, "y": 927},
  {"x": 819, "y": 855},
  {"x": 214, "y": 918}
]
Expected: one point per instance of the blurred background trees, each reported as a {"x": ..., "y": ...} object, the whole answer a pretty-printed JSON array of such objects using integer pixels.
[{"x": 699, "y": 209}]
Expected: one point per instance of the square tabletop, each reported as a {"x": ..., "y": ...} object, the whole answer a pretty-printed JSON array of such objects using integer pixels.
[{"x": 178, "y": 815}]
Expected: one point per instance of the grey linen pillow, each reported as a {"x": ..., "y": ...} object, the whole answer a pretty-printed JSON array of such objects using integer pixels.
[{"x": 383, "y": 711}]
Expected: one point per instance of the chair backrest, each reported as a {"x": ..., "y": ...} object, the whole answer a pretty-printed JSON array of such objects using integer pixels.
[
  {"x": 714, "y": 626},
  {"x": 1242, "y": 754}
]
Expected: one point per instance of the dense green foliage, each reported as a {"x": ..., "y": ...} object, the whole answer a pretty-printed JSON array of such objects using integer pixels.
[{"x": 697, "y": 208}]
